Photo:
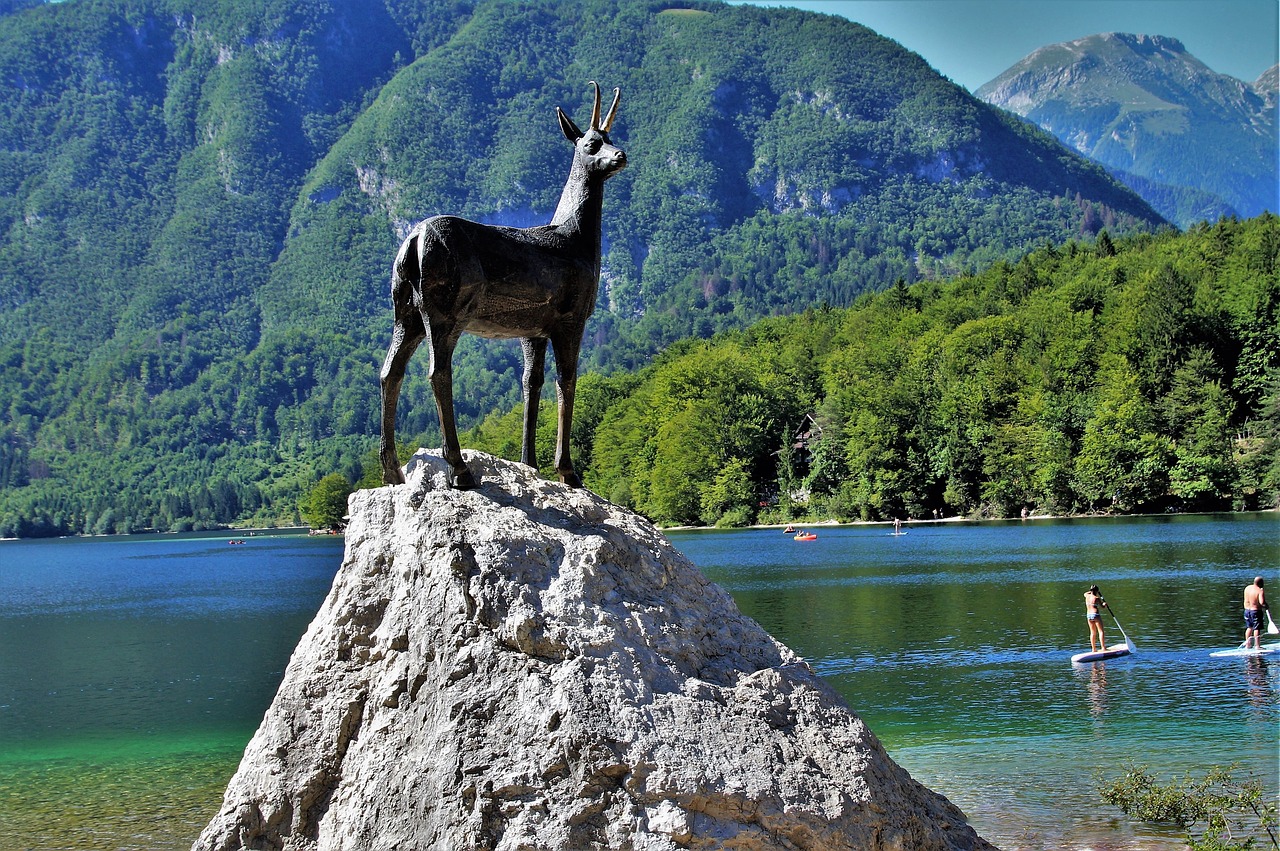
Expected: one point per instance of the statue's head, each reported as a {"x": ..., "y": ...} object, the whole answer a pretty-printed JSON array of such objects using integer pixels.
[{"x": 598, "y": 155}]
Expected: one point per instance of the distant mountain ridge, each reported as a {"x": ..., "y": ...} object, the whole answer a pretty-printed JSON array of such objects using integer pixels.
[
  {"x": 1195, "y": 143},
  {"x": 199, "y": 204}
]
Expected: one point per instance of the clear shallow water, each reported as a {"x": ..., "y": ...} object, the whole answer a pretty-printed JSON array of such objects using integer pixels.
[
  {"x": 953, "y": 643},
  {"x": 133, "y": 671}
]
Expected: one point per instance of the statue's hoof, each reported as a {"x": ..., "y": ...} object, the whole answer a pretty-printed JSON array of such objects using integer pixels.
[
  {"x": 392, "y": 476},
  {"x": 571, "y": 479},
  {"x": 461, "y": 479}
]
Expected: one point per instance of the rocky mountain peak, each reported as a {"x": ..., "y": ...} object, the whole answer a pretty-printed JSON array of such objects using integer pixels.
[
  {"x": 1141, "y": 43},
  {"x": 1268, "y": 86},
  {"x": 528, "y": 666},
  {"x": 1195, "y": 143}
]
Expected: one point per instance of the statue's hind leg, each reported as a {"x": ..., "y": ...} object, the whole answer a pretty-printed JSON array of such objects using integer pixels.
[
  {"x": 443, "y": 339},
  {"x": 407, "y": 333}
]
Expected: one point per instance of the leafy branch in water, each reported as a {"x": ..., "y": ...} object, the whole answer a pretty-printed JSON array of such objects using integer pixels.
[{"x": 1234, "y": 813}]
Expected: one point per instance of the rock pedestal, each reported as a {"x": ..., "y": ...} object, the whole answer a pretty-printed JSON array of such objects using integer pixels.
[{"x": 526, "y": 666}]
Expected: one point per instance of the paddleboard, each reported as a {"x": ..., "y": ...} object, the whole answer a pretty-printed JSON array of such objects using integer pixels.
[
  {"x": 895, "y": 534},
  {"x": 1115, "y": 651},
  {"x": 1252, "y": 651}
]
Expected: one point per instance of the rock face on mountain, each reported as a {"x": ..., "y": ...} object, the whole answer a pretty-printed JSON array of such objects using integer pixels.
[
  {"x": 1196, "y": 144},
  {"x": 526, "y": 666}
]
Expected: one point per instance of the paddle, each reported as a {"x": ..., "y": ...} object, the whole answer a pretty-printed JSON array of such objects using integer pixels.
[{"x": 1127, "y": 642}]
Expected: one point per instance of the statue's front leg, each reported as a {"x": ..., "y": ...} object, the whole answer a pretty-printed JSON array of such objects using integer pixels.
[
  {"x": 535, "y": 352},
  {"x": 566, "y": 350}
]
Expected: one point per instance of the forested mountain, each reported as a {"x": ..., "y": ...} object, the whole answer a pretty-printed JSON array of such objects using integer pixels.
[
  {"x": 1196, "y": 144},
  {"x": 199, "y": 203},
  {"x": 1136, "y": 375}
]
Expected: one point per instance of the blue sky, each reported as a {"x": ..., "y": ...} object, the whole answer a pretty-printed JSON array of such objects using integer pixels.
[{"x": 972, "y": 41}]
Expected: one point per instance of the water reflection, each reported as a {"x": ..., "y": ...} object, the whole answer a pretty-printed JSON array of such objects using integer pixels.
[
  {"x": 954, "y": 644},
  {"x": 1261, "y": 695},
  {"x": 1096, "y": 688}
]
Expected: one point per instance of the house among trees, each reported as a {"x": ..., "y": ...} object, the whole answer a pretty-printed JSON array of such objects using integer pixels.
[
  {"x": 808, "y": 434},
  {"x": 799, "y": 457}
]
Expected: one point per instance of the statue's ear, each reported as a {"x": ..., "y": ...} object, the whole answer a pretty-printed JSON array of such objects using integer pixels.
[{"x": 571, "y": 131}]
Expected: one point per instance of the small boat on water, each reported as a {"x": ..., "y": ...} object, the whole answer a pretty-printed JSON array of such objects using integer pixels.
[
  {"x": 806, "y": 536},
  {"x": 790, "y": 530}
]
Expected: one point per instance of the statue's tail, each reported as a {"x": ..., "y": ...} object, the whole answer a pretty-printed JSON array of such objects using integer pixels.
[{"x": 406, "y": 270}]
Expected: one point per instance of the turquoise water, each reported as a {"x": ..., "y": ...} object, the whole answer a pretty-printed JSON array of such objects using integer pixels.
[
  {"x": 133, "y": 671},
  {"x": 953, "y": 643}
]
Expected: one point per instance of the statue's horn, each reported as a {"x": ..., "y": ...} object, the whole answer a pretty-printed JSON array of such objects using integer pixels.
[
  {"x": 595, "y": 110},
  {"x": 613, "y": 111}
]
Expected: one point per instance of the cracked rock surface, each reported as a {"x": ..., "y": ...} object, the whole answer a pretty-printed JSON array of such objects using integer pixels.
[{"x": 526, "y": 666}]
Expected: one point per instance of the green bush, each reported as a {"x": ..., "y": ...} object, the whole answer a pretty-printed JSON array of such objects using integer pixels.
[
  {"x": 325, "y": 505},
  {"x": 1227, "y": 814}
]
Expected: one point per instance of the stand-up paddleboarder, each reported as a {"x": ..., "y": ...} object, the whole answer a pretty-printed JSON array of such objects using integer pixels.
[
  {"x": 1255, "y": 604},
  {"x": 1093, "y": 606}
]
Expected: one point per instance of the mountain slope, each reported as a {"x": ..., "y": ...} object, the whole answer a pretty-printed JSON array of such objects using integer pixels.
[
  {"x": 1151, "y": 112},
  {"x": 198, "y": 209}
]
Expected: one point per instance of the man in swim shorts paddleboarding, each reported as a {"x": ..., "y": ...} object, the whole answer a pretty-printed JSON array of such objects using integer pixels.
[
  {"x": 1255, "y": 603},
  {"x": 1093, "y": 605}
]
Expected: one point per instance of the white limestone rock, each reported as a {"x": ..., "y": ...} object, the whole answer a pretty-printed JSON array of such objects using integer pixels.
[{"x": 526, "y": 666}]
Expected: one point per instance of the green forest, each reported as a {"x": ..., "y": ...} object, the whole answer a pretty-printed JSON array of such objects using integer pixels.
[
  {"x": 200, "y": 202},
  {"x": 1134, "y": 375}
]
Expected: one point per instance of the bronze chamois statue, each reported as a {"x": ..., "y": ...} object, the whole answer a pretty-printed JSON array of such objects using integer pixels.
[{"x": 536, "y": 284}]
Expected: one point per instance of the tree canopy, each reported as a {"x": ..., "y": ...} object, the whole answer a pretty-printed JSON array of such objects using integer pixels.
[
  {"x": 325, "y": 505},
  {"x": 199, "y": 206},
  {"x": 1131, "y": 375}
]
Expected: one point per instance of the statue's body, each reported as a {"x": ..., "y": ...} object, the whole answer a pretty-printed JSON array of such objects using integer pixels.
[{"x": 537, "y": 284}]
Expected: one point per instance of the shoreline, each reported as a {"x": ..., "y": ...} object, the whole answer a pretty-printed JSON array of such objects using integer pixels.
[
  {"x": 925, "y": 521},
  {"x": 829, "y": 523},
  {"x": 237, "y": 533}
]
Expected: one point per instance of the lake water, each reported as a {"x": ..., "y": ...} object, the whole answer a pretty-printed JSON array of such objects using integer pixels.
[{"x": 134, "y": 670}]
